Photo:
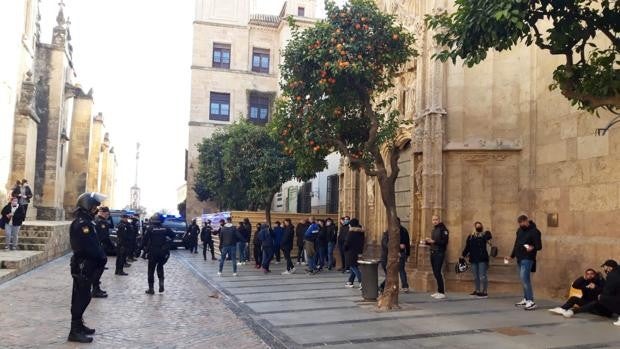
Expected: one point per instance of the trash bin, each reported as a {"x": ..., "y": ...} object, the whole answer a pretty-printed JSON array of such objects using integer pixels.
[{"x": 370, "y": 278}]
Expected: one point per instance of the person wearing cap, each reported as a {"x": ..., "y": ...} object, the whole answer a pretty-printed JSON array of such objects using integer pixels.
[
  {"x": 88, "y": 257},
  {"x": 609, "y": 300},
  {"x": 123, "y": 243}
]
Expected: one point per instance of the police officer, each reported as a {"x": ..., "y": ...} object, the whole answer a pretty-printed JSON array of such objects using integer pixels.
[
  {"x": 102, "y": 223},
  {"x": 133, "y": 238},
  {"x": 157, "y": 241},
  {"x": 207, "y": 240},
  {"x": 193, "y": 232},
  {"x": 123, "y": 243},
  {"x": 88, "y": 257}
]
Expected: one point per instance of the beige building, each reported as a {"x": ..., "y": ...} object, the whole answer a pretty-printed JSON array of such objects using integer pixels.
[
  {"x": 488, "y": 144},
  {"x": 48, "y": 117},
  {"x": 235, "y": 62}
]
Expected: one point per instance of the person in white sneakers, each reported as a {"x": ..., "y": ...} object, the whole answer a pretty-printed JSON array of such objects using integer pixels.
[
  {"x": 438, "y": 244},
  {"x": 609, "y": 300},
  {"x": 590, "y": 285},
  {"x": 527, "y": 243}
]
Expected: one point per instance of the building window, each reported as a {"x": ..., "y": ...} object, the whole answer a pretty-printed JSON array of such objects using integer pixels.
[
  {"x": 260, "y": 61},
  {"x": 301, "y": 12},
  {"x": 259, "y": 108},
  {"x": 332, "y": 194},
  {"x": 220, "y": 106},
  {"x": 221, "y": 56},
  {"x": 304, "y": 198}
]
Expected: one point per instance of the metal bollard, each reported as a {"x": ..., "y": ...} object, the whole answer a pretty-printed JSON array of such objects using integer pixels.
[{"x": 370, "y": 278}]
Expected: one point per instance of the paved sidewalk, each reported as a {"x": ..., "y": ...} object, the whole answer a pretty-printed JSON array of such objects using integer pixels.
[
  {"x": 300, "y": 311},
  {"x": 34, "y": 311}
]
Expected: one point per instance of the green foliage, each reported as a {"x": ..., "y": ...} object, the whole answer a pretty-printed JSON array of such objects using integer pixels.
[
  {"x": 590, "y": 78},
  {"x": 336, "y": 81},
  {"x": 182, "y": 208},
  {"x": 241, "y": 167}
]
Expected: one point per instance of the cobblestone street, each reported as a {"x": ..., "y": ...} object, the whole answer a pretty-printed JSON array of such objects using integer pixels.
[{"x": 34, "y": 311}]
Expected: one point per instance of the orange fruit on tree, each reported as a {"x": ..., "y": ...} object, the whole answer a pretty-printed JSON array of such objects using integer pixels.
[{"x": 395, "y": 36}]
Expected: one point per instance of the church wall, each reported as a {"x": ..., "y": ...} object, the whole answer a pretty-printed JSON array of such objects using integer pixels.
[{"x": 79, "y": 152}]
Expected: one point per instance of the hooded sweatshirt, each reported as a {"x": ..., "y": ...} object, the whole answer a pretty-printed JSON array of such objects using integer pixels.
[{"x": 229, "y": 235}]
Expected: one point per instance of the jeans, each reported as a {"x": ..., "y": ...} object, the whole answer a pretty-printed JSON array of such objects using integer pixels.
[
  {"x": 402, "y": 261},
  {"x": 276, "y": 252},
  {"x": 11, "y": 236},
  {"x": 437, "y": 258},
  {"x": 355, "y": 272},
  {"x": 322, "y": 258},
  {"x": 331, "y": 262},
  {"x": 267, "y": 256},
  {"x": 241, "y": 248},
  {"x": 229, "y": 251},
  {"x": 480, "y": 276},
  {"x": 525, "y": 269}
]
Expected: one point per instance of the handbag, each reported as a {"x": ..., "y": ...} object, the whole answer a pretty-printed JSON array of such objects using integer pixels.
[{"x": 493, "y": 250}]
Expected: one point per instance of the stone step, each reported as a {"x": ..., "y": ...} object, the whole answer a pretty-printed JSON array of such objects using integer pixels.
[
  {"x": 20, "y": 259},
  {"x": 7, "y": 274},
  {"x": 28, "y": 239},
  {"x": 24, "y": 246}
]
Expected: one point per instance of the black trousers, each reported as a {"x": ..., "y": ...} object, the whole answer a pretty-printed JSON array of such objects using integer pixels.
[
  {"x": 205, "y": 246},
  {"x": 156, "y": 262},
  {"x": 437, "y": 259},
  {"x": 342, "y": 259},
  {"x": 276, "y": 253},
  {"x": 121, "y": 258},
  {"x": 98, "y": 271},
  {"x": 80, "y": 297},
  {"x": 300, "y": 253},
  {"x": 595, "y": 308},
  {"x": 193, "y": 246},
  {"x": 287, "y": 257},
  {"x": 258, "y": 254}
]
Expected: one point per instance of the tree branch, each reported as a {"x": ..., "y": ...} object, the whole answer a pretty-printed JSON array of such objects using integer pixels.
[{"x": 394, "y": 155}]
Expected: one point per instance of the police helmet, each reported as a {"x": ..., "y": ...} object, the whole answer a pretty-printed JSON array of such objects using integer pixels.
[
  {"x": 461, "y": 266},
  {"x": 90, "y": 201}
]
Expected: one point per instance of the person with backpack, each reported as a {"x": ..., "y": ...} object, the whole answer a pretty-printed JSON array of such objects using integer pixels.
[{"x": 476, "y": 250}]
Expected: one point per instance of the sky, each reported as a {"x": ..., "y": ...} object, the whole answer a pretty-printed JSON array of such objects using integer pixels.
[{"x": 136, "y": 55}]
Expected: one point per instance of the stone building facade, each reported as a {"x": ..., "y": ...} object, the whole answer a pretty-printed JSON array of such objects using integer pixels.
[
  {"x": 51, "y": 120},
  {"x": 235, "y": 72},
  {"x": 488, "y": 144}
]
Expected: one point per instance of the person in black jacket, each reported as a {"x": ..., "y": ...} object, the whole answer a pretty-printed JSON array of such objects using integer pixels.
[
  {"x": 321, "y": 245},
  {"x": 342, "y": 238},
  {"x": 88, "y": 257},
  {"x": 403, "y": 255},
  {"x": 287, "y": 246},
  {"x": 353, "y": 248},
  {"x": 527, "y": 244},
  {"x": 229, "y": 236},
  {"x": 258, "y": 251},
  {"x": 207, "y": 240},
  {"x": 608, "y": 301},
  {"x": 13, "y": 215},
  {"x": 102, "y": 223},
  {"x": 438, "y": 244},
  {"x": 476, "y": 250},
  {"x": 122, "y": 244},
  {"x": 332, "y": 240},
  {"x": 157, "y": 241},
  {"x": 267, "y": 244},
  {"x": 591, "y": 285},
  {"x": 300, "y": 230},
  {"x": 193, "y": 231}
]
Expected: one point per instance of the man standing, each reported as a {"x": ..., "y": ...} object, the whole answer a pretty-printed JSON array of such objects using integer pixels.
[
  {"x": 300, "y": 230},
  {"x": 332, "y": 240},
  {"x": 278, "y": 232},
  {"x": 207, "y": 240},
  {"x": 103, "y": 233},
  {"x": 438, "y": 243},
  {"x": 527, "y": 244},
  {"x": 193, "y": 231},
  {"x": 342, "y": 238},
  {"x": 310, "y": 237},
  {"x": 229, "y": 235},
  {"x": 13, "y": 215},
  {"x": 88, "y": 257},
  {"x": 287, "y": 246},
  {"x": 405, "y": 252},
  {"x": 157, "y": 241},
  {"x": 122, "y": 244},
  {"x": 266, "y": 240}
]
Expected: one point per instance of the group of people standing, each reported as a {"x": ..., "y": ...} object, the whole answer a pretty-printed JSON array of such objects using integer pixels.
[{"x": 13, "y": 214}]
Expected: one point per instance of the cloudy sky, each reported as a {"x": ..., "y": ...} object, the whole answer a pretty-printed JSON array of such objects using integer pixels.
[{"x": 136, "y": 55}]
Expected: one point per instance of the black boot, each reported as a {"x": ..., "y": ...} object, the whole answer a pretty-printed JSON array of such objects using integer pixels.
[
  {"x": 86, "y": 330},
  {"x": 120, "y": 272},
  {"x": 99, "y": 293},
  {"x": 161, "y": 286},
  {"x": 150, "y": 290},
  {"x": 77, "y": 335}
]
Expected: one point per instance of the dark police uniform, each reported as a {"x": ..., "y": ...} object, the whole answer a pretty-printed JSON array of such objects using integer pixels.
[
  {"x": 193, "y": 232},
  {"x": 157, "y": 241},
  {"x": 103, "y": 234},
  {"x": 122, "y": 246},
  {"x": 207, "y": 241},
  {"x": 87, "y": 260}
]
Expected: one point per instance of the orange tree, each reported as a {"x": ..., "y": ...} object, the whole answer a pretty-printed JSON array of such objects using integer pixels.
[{"x": 336, "y": 96}]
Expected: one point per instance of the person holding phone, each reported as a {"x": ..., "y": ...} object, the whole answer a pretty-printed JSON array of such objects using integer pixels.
[{"x": 527, "y": 244}]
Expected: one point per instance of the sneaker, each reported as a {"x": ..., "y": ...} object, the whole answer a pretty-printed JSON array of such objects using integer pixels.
[
  {"x": 569, "y": 313},
  {"x": 349, "y": 285},
  {"x": 434, "y": 295},
  {"x": 482, "y": 295},
  {"x": 286, "y": 272},
  {"x": 617, "y": 323},
  {"x": 239, "y": 263},
  {"x": 234, "y": 274},
  {"x": 474, "y": 294},
  {"x": 521, "y": 303},
  {"x": 360, "y": 287},
  {"x": 558, "y": 311},
  {"x": 440, "y": 296},
  {"x": 292, "y": 271},
  {"x": 219, "y": 273},
  {"x": 530, "y": 305},
  {"x": 405, "y": 289}
]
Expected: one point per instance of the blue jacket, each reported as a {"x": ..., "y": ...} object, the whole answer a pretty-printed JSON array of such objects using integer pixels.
[
  {"x": 265, "y": 237},
  {"x": 312, "y": 232},
  {"x": 278, "y": 233}
]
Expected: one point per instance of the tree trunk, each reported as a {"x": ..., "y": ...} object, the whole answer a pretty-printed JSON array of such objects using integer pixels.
[
  {"x": 268, "y": 211},
  {"x": 389, "y": 298}
]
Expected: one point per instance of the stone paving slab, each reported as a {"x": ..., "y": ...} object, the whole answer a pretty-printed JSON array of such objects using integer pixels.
[
  {"x": 310, "y": 311},
  {"x": 34, "y": 312}
]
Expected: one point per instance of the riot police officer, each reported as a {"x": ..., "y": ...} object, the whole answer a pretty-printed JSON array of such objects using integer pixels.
[
  {"x": 88, "y": 257},
  {"x": 193, "y": 231},
  {"x": 157, "y": 241},
  {"x": 207, "y": 240},
  {"x": 122, "y": 244},
  {"x": 133, "y": 239},
  {"x": 102, "y": 224}
]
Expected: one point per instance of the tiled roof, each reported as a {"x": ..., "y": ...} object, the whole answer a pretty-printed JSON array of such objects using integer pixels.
[{"x": 265, "y": 20}]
